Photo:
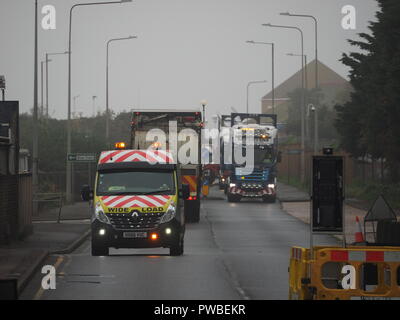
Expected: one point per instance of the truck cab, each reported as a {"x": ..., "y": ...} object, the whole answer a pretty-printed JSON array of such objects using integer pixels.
[
  {"x": 137, "y": 202},
  {"x": 261, "y": 182}
]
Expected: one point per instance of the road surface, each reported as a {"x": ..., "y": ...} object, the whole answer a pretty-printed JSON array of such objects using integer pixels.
[{"x": 237, "y": 251}]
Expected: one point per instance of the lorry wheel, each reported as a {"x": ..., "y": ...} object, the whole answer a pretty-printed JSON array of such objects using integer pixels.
[
  {"x": 99, "y": 250},
  {"x": 233, "y": 198},
  {"x": 177, "y": 249}
]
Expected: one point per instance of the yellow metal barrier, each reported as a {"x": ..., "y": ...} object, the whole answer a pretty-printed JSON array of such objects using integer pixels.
[
  {"x": 298, "y": 273},
  {"x": 319, "y": 277}
]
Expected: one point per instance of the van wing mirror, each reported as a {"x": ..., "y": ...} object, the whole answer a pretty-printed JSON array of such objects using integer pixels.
[
  {"x": 185, "y": 191},
  {"x": 86, "y": 193}
]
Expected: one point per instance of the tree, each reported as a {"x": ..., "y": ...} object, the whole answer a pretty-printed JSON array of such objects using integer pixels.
[
  {"x": 369, "y": 122},
  {"x": 88, "y": 136}
]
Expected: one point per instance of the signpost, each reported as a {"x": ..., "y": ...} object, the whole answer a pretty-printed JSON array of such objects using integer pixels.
[{"x": 81, "y": 157}]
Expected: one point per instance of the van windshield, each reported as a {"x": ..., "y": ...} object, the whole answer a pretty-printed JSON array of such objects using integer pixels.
[{"x": 135, "y": 182}]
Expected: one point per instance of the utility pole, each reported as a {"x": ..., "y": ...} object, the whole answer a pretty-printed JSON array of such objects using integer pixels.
[
  {"x": 94, "y": 105},
  {"x": 35, "y": 144},
  {"x": 107, "y": 72},
  {"x": 74, "y": 108},
  {"x": 272, "y": 68},
  {"x": 47, "y": 78},
  {"x": 316, "y": 138},
  {"x": 3, "y": 87},
  {"x": 302, "y": 104},
  {"x": 68, "y": 171},
  {"x": 41, "y": 88},
  {"x": 247, "y": 92}
]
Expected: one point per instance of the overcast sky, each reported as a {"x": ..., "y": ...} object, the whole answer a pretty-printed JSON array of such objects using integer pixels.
[{"x": 186, "y": 51}]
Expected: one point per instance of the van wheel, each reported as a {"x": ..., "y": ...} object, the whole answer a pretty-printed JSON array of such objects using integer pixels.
[
  {"x": 99, "y": 250},
  {"x": 177, "y": 249}
]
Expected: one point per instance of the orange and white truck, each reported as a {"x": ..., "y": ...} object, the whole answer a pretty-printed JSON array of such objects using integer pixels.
[{"x": 182, "y": 131}]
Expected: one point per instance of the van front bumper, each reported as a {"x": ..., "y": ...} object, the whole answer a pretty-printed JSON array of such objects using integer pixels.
[{"x": 107, "y": 235}]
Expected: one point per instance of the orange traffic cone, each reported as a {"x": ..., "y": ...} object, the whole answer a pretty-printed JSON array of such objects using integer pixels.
[{"x": 358, "y": 234}]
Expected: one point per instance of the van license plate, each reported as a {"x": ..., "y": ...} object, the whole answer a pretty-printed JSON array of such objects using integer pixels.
[{"x": 135, "y": 235}]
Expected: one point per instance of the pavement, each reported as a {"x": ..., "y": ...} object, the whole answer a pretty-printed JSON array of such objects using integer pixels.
[
  {"x": 22, "y": 258},
  {"x": 287, "y": 193},
  {"x": 296, "y": 203},
  {"x": 237, "y": 251}
]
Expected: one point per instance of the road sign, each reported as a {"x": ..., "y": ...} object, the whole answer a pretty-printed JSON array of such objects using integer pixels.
[
  {"x": 81, "y": 157},
  {"x": 293, "y": 151}
]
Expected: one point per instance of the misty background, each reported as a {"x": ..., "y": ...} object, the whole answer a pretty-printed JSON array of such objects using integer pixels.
[{"x": 186, "y": 51}]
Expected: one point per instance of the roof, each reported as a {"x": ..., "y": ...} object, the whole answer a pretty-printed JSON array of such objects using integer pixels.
[
  {"x": 327, "y": 78},
  {"x": 149, "y": 156}
]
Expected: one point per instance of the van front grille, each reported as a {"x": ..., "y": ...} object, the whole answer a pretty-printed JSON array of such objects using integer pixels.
[{"x": 135, "y": 220}]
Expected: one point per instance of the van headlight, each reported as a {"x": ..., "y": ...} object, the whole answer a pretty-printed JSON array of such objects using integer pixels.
[
  {"x": 169, "y": 215},
  {"x": 100, "y": 215}
]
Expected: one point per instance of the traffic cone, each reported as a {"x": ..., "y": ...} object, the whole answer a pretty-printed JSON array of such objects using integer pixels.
[{"x": 358, "y": 236}]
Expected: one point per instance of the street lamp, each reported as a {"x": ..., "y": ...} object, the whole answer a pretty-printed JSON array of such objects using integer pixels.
[
  {"x": 47, "y": 77},
  {"x": 247, "y": 94},
  {"x": 74, "y": 109},
  {"x": 314, "y": 110},
  {"x": 3, "y": 87},
  {"x": 302, "y": 161},
  {"x": 94, "y": 105},
  {"x": 69, "y": 167},
  {"x": 316, "y": 39},
  {"x": 41, "y": 87},
  {"x": 307, "y": 123},
  {"x": 35, "y": 143},
  {"x": 204, "y": 103},
  {"x": 305, "y": 64},
  {"x": 272, "y": 69},
  {"x": 107, "y": 67},
  {"x": 316, "y": 60}
]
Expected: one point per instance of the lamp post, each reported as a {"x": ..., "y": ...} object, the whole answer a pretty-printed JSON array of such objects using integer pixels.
[
  {"x": 47, "y": 77},
  {"x": 302, "y": 160},
  {"x": 316, "y": 129},
  {"x": 35, "y": 144},
  {"x": 69, "y": 167},
  {"x": 3, "y": 87},
  {"x": 107, "y": 67},
  {"x": 94, "y": 105},
  {"x": 305, "y": 63},
  {"x": 204, "y": 104},
  {"x": 41, "y": 88},
  {"x": 74, "y": 108},
  {"x": 316, "y": 39},
  {"x": 307, "y": 123},
  {"x": 272, "y": 68},
  {"x": 247, "y": 94}
]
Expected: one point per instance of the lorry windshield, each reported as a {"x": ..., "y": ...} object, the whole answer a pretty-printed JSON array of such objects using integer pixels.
[{"x": 135, "y": 182}]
